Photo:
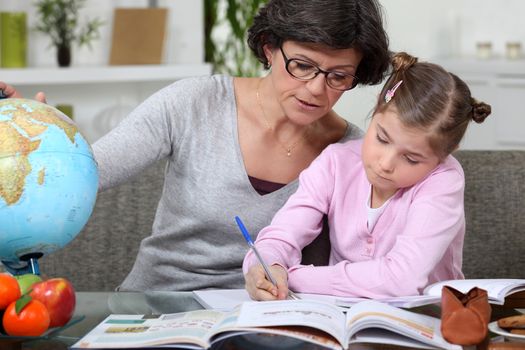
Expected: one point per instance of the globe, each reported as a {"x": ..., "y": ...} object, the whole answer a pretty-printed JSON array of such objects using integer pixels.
[{"x": 48, "y": 181}]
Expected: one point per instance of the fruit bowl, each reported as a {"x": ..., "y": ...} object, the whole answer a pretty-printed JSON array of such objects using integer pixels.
[{"x": 50, "y": 333}]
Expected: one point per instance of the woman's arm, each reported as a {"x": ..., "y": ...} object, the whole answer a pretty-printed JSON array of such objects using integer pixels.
[{"x": 149, "y": 133}]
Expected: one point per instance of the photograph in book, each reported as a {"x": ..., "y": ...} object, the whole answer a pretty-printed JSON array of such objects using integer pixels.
[{"x": 296, "y": 320}]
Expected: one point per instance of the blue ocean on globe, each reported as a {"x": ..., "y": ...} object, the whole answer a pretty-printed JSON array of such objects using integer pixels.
[{"x": 48, "y": 180}]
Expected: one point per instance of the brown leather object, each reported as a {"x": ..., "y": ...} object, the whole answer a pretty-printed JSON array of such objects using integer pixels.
[{"x": 464, "y": 317}]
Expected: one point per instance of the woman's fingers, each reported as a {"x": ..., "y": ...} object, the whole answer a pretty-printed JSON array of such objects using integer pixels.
[
  {"x": 41, "y": 97},
  {"x": 10, "y": 92}
]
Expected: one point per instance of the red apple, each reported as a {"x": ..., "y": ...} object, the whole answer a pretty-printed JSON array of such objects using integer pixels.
[{"x": 58, "y": 295}]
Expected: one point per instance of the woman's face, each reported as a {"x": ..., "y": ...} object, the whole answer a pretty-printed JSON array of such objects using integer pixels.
[{"x": 305, "y": 101}]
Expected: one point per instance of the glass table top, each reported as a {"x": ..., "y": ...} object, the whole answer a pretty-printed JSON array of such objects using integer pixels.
[{"x": 93, "y": 307}]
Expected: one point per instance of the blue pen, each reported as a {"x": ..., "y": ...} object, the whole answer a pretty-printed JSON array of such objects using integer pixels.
[
  {"x": 252, "y": 246},
  {"x": 2, "y": 94}
]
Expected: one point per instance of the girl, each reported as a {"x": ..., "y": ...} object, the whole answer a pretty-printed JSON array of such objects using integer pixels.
[{"x": 394, "y": 200}]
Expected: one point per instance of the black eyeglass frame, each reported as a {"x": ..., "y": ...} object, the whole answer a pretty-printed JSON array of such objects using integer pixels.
[{"x": 287, "y": 62}]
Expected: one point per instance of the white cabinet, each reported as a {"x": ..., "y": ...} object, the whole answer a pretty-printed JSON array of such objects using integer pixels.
[
  {"x": 500, "y": 83},
  {"x": 100, "y": 96}
]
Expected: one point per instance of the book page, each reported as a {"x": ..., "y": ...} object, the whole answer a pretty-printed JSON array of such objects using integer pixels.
[
  {"x": 375, "y": 315},
  {"x": 122, "y": 331},
  {"x": 253, "y": 336},
  {"x": 496, "y": 289},
  {"x": 371, "y": 335},
  {"x": 228, "y": 299},
  {"x": 319, "y": 315},
  {"x": 403, "y": 301}
]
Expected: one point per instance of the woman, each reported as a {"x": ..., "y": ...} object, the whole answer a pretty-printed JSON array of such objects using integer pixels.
[{"x": 235, "y": 146}]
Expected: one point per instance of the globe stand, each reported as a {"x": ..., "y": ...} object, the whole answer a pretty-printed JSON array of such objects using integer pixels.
[{"x": 27, "y": 264}]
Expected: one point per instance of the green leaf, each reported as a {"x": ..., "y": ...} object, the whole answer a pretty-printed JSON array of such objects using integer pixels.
[
  {"x": 59, "y": 19},
  {"x": 231, "y": 55},
  {"x": 22, "y": 302}
]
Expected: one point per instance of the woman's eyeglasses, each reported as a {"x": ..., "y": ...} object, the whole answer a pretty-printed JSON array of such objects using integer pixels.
[{"x": 304, "y": 70}]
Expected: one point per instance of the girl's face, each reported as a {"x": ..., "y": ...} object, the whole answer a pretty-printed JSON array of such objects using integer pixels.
[
  {"x": 305, "y": 101},
  {"x": 395, "y": 156}
]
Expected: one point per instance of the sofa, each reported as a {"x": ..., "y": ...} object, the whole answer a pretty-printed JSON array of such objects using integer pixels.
[{"x": 100, "y": 257}]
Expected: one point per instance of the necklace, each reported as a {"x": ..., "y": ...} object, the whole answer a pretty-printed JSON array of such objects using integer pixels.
[{"x": 288, "y": 149}]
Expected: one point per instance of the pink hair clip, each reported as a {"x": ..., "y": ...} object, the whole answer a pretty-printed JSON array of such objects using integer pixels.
[{"x": 390, "y": 93}]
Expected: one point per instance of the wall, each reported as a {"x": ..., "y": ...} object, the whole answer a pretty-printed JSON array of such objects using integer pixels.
[
  {"x": 432, "y": 30},
  {"x": 428, "y": 29},
  {"x": 99, "y": 106},
  {"x": 184, "y": 40}
]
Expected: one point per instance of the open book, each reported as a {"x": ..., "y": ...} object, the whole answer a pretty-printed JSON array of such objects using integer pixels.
[
  {"x": 227, "y": 299},
  {"x": 257, "y": 323},
  {"x": 497, "y": 289}
]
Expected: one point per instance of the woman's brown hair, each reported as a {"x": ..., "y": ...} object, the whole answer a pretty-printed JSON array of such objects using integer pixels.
[
  {"x": 338, "y": 24},
  {"x": 432, "y": 99}
]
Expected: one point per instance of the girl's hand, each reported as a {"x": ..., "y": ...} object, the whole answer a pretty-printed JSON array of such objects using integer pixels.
[
  {"x": 260, "y": 288},
  {"x": 11, "y": 92}
]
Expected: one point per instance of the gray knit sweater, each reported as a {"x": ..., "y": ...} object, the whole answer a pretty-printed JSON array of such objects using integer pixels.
[{"x": 195, "y": 243}]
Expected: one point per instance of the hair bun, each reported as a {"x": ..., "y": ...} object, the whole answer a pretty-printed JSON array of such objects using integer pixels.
[
  {"x": 480, "y": 111},
  {"x": 403, "y": 61}
]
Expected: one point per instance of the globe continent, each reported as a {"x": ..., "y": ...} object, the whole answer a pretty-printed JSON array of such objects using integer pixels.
[{"x": 48, "y": 180}]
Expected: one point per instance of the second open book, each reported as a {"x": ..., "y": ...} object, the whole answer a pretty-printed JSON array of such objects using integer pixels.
[
  {"x": 497, "y": 289},
  {"x": 254, "y": 323}
]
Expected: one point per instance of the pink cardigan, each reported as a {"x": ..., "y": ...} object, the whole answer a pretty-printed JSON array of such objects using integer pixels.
[{"x": 417, "y": 240}]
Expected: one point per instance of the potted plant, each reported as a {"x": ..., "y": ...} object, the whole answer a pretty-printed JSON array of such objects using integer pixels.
[
  {"x": 59, "y": 20},
  {"x": 230, "y": 53}
]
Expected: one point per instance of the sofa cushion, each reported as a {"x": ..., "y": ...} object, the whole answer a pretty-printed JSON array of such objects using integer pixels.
[
  {"x": 101, "y": 256},
  {"x": 495, "y": 213}
]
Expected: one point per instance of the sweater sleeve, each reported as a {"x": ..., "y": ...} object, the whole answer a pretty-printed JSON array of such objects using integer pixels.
[
  {"x": 299, "y": 221},
  {"x": 434, "y": 224},
  {"x": 146, "y": 135}
]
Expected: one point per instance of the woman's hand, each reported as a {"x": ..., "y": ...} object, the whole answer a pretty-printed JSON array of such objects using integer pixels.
[
  {"x": 11, "y": 92},
  {"x": 260, "y": 288}
]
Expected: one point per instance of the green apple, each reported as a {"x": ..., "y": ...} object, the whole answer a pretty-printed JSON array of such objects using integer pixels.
[{"x": 26, "y": 281}]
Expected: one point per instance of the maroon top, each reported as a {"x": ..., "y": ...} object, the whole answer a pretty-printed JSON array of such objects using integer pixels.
[{"x": 264, "y": 187}]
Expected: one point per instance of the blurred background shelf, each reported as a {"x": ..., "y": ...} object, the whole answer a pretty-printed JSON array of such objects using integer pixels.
[
  {"x": 501, "y": 83},
  {"x": 487, "y": 67},
  {"x": 100, "y": 96},
  {"x": 102, "y": 74}
]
